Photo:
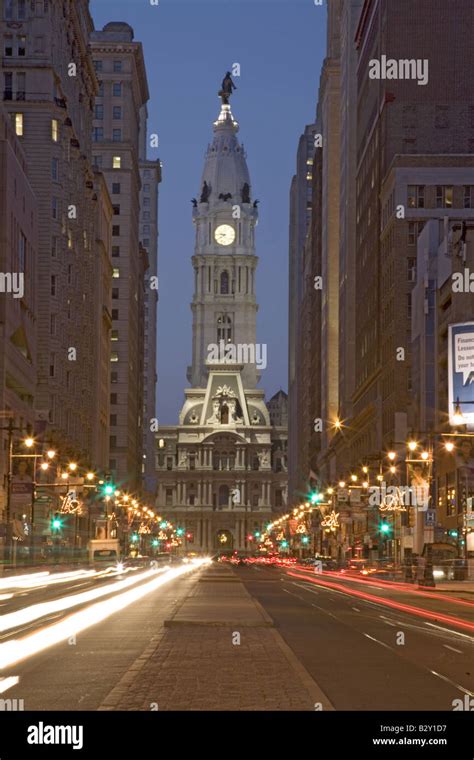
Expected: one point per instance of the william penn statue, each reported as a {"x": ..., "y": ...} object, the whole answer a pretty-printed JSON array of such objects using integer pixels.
[{"x": 227, "y": 88}]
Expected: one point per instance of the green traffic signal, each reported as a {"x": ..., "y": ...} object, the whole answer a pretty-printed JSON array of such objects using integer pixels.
[
  {"x": 56, "y": 523},
  {"x": 180, "y": 531},
  {"x": 384, "y": 527},
  {"x": 109, "y": 489}
]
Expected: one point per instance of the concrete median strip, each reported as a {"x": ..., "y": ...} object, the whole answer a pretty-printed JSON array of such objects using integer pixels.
[{"x": 191, "y": 664}]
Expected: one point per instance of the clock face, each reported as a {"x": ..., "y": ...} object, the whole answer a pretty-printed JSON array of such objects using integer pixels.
[{"x": 224, "y": 234}]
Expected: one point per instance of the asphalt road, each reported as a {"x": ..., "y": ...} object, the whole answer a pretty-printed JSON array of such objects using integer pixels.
[
  {"x": 78, "y": 674},
  {"x": 364, "y": 654}
]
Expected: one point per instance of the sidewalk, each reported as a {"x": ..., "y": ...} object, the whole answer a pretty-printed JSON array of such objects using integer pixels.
[
  {"x": 454, "y": 587},
  {"x": 195, "y": 663}
]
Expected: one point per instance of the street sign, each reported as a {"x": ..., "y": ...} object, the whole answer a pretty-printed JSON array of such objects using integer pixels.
[{"x": 430, "y": 518}]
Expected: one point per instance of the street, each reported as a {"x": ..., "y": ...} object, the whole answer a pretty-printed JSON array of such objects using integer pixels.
[
  {"x": 349, "y": 644},
  {"x": 366, "y": 644}
]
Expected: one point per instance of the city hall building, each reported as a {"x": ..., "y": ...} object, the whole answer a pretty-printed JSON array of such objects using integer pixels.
[{"x": 222, "y": 471}]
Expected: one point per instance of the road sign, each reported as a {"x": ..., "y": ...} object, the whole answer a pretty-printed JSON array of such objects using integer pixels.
[{"x": 430, "y": 518}]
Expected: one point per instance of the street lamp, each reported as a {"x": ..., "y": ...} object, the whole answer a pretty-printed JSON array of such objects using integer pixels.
[
  {"x": 458, "y": 417},
  {"x": 29, "y": 442}
]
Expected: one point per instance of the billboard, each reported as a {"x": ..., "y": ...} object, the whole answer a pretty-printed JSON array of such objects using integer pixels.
[{"x": 461, "y": 372}]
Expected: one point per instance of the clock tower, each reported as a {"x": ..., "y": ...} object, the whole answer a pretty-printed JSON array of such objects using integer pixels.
[
  {"x": 225, "y": 215},
  {"x": 222, "y": 472}
]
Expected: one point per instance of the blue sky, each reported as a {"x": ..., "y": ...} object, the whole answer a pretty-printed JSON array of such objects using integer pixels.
[{"x": 188, "y": 46}]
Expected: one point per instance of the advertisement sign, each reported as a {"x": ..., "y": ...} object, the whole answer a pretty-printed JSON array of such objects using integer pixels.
[{"x": 461, "y": 372}]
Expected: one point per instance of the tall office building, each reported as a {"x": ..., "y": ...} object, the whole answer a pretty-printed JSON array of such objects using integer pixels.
[
  {"x": 123, "y": 91},
  {"x": 49, "y": 87},
  {"x": 150, "y": 175},
  {"x": 18, "y": 295}
]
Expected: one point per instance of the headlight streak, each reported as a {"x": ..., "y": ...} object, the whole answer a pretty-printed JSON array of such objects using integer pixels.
[
  {"x": 36, "y": 611},
  {"x": 17, "y": 650},
  {"x": 35, "y": 580}
]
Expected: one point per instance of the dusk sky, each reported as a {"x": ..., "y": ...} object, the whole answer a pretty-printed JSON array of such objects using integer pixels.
[{"x": 188, "y": 47}]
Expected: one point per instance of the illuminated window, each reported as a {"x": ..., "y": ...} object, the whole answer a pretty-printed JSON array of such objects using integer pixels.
[
  {"x": 115, "y": 335},
  {"x": 116, "y": 162},
  {"x": 54, "y": 130},
  {"x": 116, "y": 274},
  {"x": 19, "y": 124},
  {"x": 114, "y": 356}
]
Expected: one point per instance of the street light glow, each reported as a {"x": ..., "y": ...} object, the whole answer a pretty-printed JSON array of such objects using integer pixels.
[{"x": 29, "y": 442}]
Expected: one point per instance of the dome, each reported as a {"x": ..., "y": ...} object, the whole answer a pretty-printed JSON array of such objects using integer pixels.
[{"x": 225, "y": 168}]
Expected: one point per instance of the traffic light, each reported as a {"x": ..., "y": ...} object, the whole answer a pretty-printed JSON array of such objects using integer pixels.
[
  {"x": 180, "y": 532},
  {"x": 134, "y": 537},
  {"x": 305, "y": 540},
  {"x": 315, "y": 497},
  {"x": 155, "y": 542},
  {"x": 56, "y": 522},
  {"x": 384, "y": 528},
  {"x": 190, "y": 537},
  {"x": 257, "y": 534}
]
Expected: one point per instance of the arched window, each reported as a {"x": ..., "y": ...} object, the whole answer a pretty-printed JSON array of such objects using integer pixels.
[{"x": 225, "y": 283}]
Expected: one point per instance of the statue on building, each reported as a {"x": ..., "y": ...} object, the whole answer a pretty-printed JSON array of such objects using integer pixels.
[
  {"x": 183, "y": 459},
  {"x": 216, "y": 417},
  {"x": 205, "y": 193},
  {"x": 227, "y": 88},
  {"x": 245, "y": 193}
]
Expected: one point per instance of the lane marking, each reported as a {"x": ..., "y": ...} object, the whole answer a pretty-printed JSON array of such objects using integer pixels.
[
  {"x": 449, "y": 630},
  {"x": 356, "y": 609},
  {"x": 382, "y": 643},
  {"x": 453, "y": 649},
  {"x": 456, "y": 685}
]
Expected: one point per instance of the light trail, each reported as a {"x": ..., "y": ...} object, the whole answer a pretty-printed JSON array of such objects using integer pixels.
[
  {"x": 36, "y": 580},
  {"x": 36, "y": 611},
  {"x": 419, "y": 611},
  {"x": 395, "y": 585},
  {"x": 17, "y": 650}
]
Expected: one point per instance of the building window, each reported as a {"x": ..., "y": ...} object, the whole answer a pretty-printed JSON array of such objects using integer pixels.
[
  {"x": 113, "y": 398},
  {"x": 116, "y": 230},
  {"x": 52, "y": 324},
  {"x": 169, "y": 463},
  {"x": 444, "y": 196},
  {"x": 117, "y": 67},
  {"x": 117, "y": 90},
  {"x": 114, "y": 335},
  {"x": 21, "y": 86},
  {"x": 117, "y": 112},
  {"x": 224, "y": 328},
  {"x": 468, "y": 196},
  {"x": 146, "y": 216},
  {"x": 115, "y": 251},
  {"x": 114, "y": 356},
  {"x": 19, "y": 124},
  {"x": 98, "y": 65},
  {"x": 225, "y": 283},
  {"x": 21, "y": 10},
  {"x": 8, "y": 46},
  {"x": 54, "y": 130},
  {"x": 100, "y": 94},
  {"x": 116, "y": 274},
  {"x": 8, "y": 10},
  {"x": 8, "y": 86},
  {"x": 113, "y": 420},
  {"x": 54, "y": 207},
  {"x": 114, "y": 377},
  {"x": 115, "y": 293},
  {"x": 99, "y": 112},
  {"x": 54, "y": 168},
  {"x": 53, "y": 284},
  {"x": 115, "y": 314},
  {"x": 115, "y": 188},
  {"x": 52, "y": 365},
  {"x": 169, "y": 495},
  {"x": 54, "y": 247},
  {"x": 98, "y": 134},
  {"x": 116, "y": 162},
  {"x": 116, "y": 209},
  {"x": 98, "y": 162},
  {"x": 416, "y": 196},
  {"x": 117, "y": 135},
  {"x": 411, "y": 269},
  {"x": 21, "y": 46}
]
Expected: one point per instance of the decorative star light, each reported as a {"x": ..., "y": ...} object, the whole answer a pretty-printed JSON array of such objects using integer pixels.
[{"x": 331, "y": 520}]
